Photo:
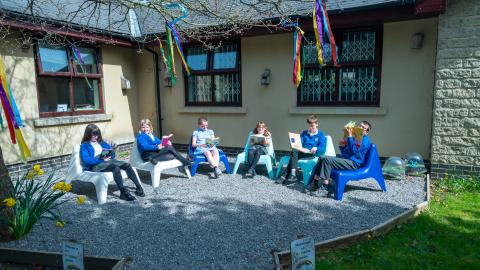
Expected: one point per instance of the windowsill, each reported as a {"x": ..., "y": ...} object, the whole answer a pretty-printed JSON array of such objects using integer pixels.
[
  {"x": 68, "y": 120},
  {"x": 339, "y": 110},
  {"x": 214, "y": 110}
]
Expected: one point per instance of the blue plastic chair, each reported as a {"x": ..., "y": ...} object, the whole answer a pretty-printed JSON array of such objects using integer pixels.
[
  {"x": 200, "y": 158},
  {"x": 307, "y": 165},
  {"x": 268, "y": 160},
  {"x": 369, "y": 169}
]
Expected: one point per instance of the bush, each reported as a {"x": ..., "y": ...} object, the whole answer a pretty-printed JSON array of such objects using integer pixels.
[{"x": 456, "y": 185}]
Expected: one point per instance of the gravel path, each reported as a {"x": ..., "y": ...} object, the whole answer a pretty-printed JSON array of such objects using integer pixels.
[{"x": 226, "y": 223}]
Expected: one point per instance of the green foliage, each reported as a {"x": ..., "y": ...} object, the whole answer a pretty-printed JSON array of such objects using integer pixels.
[
  {"x": 447, "y": 236},
  {"x": 31, "y": 199}
]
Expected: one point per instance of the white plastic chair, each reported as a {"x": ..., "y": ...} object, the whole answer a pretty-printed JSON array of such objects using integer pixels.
[
  {"x": 155, "y": 170},
  {"x": 268, "y": 160},
  {"x": 99, "y": 179},
  {"x": 307, "y": 164}
]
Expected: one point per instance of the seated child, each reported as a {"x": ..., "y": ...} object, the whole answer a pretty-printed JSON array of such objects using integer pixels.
[
  {"x": 151, "y": 148},
  {"x": 200, "y": 135},
  {"x": 92, "y": 160},
  {"x": 257, "y": 149},
  {"x": 352, "y": 156},
  {"x": 313, "y": 141}
]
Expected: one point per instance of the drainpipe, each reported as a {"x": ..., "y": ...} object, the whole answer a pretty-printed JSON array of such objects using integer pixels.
[{"x": 157, "y": 91}]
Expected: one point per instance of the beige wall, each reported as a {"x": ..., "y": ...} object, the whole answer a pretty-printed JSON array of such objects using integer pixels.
[
  {"x": 59, "y": 140},
  {"x": 406, "y": 94}
]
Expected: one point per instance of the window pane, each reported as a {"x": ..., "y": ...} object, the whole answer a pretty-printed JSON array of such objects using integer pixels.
[
  {"x": 197, "y": 58},
  {"x": 318, "y": 85},
  {"x": 86, "y": 98},
  {"x": 54, "y": 94},
  {"x": 53, "y": 59},
  {"x": 358, "y": 46},
  {"x": 199, "y": 88},
  {"x": 310, "y": 51},
  {"x": 358, "y": 84},
  {"x": 225, "y": 57},
  {"x": 227, "y": 88},
  {"x": 89, "y": 57}
]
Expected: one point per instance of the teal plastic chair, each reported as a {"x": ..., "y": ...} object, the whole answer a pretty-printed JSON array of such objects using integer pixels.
[
  {"x": 307, "y": 164},
  {"x": 268, "y": 160}
]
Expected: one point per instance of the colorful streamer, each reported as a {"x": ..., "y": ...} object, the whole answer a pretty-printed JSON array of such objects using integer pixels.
[
  {"x": 321, "y": 24},
  {"x": 162, "y": 52},
  {"x": 78, "y": 58},
  {"x": 297, "y": 65},
  {"x": 178, "y": 44},
  {"x": 171, "y": 62}
]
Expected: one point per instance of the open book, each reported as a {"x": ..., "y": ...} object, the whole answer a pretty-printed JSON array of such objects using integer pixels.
[
  {"x": 257, "y": 139},
  {"x": 105, "y": 153},
  {"x": 357, "y": 131},
  {"x": 166, "y": 139},
  {"x": 296, "y": 142},
  {"x": 212, "y": 141}
]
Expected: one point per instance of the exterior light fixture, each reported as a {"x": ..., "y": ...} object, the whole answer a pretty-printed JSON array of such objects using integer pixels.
[
  {"x": 265, "y": 80},
  {"x": 416, "y": 41}
]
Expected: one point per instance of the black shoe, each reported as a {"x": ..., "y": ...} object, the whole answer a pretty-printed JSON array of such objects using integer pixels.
[
  {"x": 254, "y": 173},
  {"x": 281, "y": 181},
  {"x": 139, "y": 192},
  {"x": 125, "y": 195},
  {"x": 323, "y": 190},
  {"x": 310, "y": 188},
  {"x": 292, "y": 178},
  {"x": 154, "y": 161},
  {"x": 215, "y": 173},
  {"x": 249, "y": 173},
  {"x": 186, "y": 163}
]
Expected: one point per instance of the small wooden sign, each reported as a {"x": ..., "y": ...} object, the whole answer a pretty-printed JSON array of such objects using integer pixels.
[
  {"x": 303, "y": 254},
  {"x": 72, "y": 256}
]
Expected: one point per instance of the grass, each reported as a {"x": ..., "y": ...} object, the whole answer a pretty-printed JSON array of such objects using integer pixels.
[{"x": 446, "y": 236}]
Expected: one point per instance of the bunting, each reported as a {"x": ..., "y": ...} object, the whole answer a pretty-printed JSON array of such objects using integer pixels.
[
  {"x": 297, "y": 64},
  {"x": 321, "y": 24},
  {"x": 77, "y": 55}
]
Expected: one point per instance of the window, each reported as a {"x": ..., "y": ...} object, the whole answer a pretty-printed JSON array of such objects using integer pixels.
[
  {"x": 357, "y": 79},
  {"x": 215, "y": 76},
  {"x": 66, "y": 87}
]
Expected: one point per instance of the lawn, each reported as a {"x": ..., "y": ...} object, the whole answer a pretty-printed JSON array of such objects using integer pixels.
[{"x": 446, "y": 236}]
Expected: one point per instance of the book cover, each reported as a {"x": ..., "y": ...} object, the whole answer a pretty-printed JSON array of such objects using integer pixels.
[
  {"x": 166, "y": 139},
  {"x": 106, "y": 153},
  {"x": 212, "y": 141},
  {"x": 296, "y": 142},
  {"x": 257, "y": 139}
]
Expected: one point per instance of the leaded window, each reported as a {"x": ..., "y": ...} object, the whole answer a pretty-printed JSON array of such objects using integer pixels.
[
  {"x": 355, "y": 81},
  {"x": 66, "y": 87},
  {"x": 215, "y": 76}
]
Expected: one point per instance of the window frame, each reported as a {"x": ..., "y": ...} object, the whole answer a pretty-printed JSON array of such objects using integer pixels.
[
  {"x": 377, "y": 62},
  {"x": 70, "y": 76},
  {"x": 212, "y": 72}
]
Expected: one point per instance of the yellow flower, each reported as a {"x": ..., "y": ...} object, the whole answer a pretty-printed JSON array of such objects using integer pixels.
[
  {"x": 10, "y": 202},
  {"x": 36, "y": 168},
  {"x": 30, "y": 175},
  {"x": 62, "y": 186},
  {"x": 81, "y": 199},
  {"x": 60, "y": 224},
  {"x": 67, "y": 188},
  {"x": 40, "y": 172}
]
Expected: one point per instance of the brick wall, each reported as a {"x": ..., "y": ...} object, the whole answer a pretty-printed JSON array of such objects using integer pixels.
[{"x": 456, "y": 114}]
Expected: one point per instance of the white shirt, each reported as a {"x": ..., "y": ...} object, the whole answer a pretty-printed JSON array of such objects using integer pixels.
[
  {"x": 151, "y": 136},
  {"x": 97, "y": 147}
]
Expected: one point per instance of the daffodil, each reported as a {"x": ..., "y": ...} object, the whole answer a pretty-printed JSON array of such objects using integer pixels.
[
  {"x": 10, "y": 202},
  {"x": 67, "y": 188},
  {"x": 81, "y": 199},
  {"x": 60, "y": 224},
  {"x": 30, "y": 175},
  {"x": 40, "y": 172},
  {"x": 59, "y": 186},
  {"x": 36, "y": 168}
]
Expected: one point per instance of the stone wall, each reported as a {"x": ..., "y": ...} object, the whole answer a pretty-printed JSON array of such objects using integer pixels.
[{"x": 456, "y": 115}]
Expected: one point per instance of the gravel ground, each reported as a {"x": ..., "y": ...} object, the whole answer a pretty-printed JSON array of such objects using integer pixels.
[{"x": 227, "y": 223}]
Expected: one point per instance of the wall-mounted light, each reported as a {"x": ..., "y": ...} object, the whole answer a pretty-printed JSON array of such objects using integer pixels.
[
  {"x": 416, "y": 41},
  {"x": 265, "y": 80},
  {"x": 125, "y": 83}
]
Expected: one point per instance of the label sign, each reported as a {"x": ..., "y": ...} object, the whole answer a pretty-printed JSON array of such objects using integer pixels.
[
  {"x": 72, "y": 256},
  {"x": 303, "y": 254}
]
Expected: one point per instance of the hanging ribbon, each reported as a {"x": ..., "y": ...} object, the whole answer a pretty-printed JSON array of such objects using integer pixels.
[
  {"x": 3, "y": 79},
  {"x": 162, "y": 52},
  {"x": 321, "y": 24},
  {"x": 77, "y": 55},
  {"x": 318, "y": 34},
  {"x": 179, "y": 47},
  {"x": 297, "y": 64},
  {"x": 333, "y": 45},
  {"x": 171, "y": 58}
]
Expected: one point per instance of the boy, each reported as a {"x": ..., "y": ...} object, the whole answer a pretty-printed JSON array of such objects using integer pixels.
[
  {"x": 351, "y": 158},
  {"x": 314, "y": 144}
]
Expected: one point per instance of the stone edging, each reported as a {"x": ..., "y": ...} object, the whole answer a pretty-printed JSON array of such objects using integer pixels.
[{"x": 282, "y": 259}]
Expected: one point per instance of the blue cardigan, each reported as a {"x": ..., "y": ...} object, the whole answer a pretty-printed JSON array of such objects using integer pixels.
[
  {"x": 353, "y": 153},
  {"x": 87, "y": 155},
  {"x": 145, "y": 143},
  {"x": 319, "y": 140}
]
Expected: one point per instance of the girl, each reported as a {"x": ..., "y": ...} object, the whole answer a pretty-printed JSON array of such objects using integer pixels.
[
  {"x": 258, "y": 149},
  {"x": 199, "y": 143},
  {"x": 98, "y": 156},
  {"x": 152, "y": 149}
]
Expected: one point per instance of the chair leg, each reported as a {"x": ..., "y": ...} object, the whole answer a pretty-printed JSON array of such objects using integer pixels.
[
  {"x": 381, "y": 183},
  {"x": 194, "y": 168},
  {"x": 283, "y": 161},
  {"x": 101, "y": 189},
  {"x": 339, "y": 189},
  {"x": 155, "y": 174},
  {"x": 227, "y": 165},
  {"x": 269, "y": 166},
  {"x": 187, "y": 172},
  {"x": 237, "y": 164}
]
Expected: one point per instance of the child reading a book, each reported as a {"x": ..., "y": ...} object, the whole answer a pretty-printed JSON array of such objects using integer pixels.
[
  {"x": 204, "y": 142},
  {"x": 92, "y": 160},
  {"x": 153, "y": 149},
  {"x": 350, "y": 159},
  {"x": 259, "y": 142},
  {"x": 314, "y": 144}
]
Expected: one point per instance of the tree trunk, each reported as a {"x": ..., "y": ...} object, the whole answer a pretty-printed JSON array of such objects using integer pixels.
[{"x": 5, "y": 191}]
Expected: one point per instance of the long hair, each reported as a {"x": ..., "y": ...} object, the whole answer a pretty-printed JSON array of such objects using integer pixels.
[
  {"x": 89, "y": 131},
  {"x": 266, "y": 133},
  {"x": 147, "y": 122}
]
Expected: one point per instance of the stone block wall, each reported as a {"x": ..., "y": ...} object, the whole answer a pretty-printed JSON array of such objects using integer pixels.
[{"x": 456, "y": 114}]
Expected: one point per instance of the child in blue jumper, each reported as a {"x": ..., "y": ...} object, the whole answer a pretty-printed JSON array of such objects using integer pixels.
[
  {"x": 92, "y": 160},
  {"x": 314, "y": 144}
]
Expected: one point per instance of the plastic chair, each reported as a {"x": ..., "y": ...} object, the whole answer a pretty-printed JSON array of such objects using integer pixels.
[
  {"x": 200, "y": 158},
  {"x": 369, "y": 169},
  {"x": 99, "y": 179},
  {"x": 307, "y": 164},
  {"x": 268, "y": 160},
  {"x": 155, "y": 170}
]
